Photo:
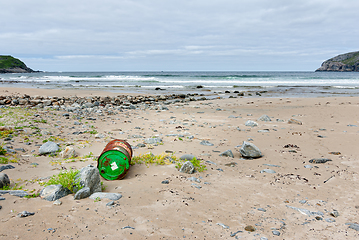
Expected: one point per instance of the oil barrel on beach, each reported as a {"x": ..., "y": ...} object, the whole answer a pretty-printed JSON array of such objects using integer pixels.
[{"x": 114, "y": 161}]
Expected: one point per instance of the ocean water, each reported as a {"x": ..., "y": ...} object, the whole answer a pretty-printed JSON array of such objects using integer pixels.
[{"x": 272, "y": 84}]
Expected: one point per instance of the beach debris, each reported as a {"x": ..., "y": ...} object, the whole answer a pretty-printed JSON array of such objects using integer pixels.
[
  {"x": 306, "y": 211},
  {"x": 88, "y": 176},
  {"x": 294, "y": 121},
  {"x": 48, "y": 147},
  {"x": 227, "y": 153},
  {"x": 25, "y": 214},
  {"x": 206, "y": 143},
  {"x": 4, "y": 180},
  {"x": 250, "y": 228},
  {"x": 249, "y": 150},
  {"x": 328, "y": 179},
  {"x": 54, "y": 192},
  {"x": 267, "y": 171},
  {"x": 102, "y": 195},
  {"x": 319, "y": 160},
  {"x": 187, "y": 167},
  {"x": 251, "y": 123},
  {"x": 222, "y": 225},
  {"x": 264, "y": 118},
  {"x": 68, "y": 152}
]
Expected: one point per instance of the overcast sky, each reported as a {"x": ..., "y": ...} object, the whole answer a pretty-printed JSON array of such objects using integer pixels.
[{"x": 171, "y": 35}]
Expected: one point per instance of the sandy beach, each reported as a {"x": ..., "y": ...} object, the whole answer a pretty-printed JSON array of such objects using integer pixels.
[{"x": 281, "y": 195}]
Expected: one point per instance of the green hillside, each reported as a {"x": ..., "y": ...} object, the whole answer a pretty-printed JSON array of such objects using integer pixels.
[{"x": 9, "y": 64}]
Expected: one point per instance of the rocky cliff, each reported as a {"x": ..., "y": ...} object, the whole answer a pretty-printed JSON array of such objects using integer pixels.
[
  {"x": 9, "y": 64},
  {"x": 348, "y": 62}
]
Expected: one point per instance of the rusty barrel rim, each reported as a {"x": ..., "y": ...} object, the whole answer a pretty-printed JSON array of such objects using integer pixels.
[{"x": 115, "y": 159}]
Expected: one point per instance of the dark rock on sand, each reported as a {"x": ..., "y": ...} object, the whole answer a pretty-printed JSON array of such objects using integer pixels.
[
  {"x": 4, "y": 180},
  {"x": 54, "y": 192},
  {"x": 187, "y": 167},
  {"x": 2, "y": 168},
  {"x": 49, "y": 147},
  {"x": 249, "y": 150}
]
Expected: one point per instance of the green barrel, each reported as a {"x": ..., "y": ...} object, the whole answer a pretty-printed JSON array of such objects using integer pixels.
[{"x": 114, "y": 161}]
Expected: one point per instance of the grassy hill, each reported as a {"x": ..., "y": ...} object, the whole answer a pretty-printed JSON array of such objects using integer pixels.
[{"x": 9, "y": 64}]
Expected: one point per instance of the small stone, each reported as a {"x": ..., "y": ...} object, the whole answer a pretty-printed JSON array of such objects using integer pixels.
[
  {"x": 249, "y": 150},
  {"x": 261, "y": 209},
  {"x": 4, "y": 180},
  {"x": 68, "y": 152},
  {"x": 49, "y": 147},
  {"x": 194, "y": 179},
  {"x": 57, "y": 202},
  {"x": 2, "y": 168},
  {"x": 101, "y": 195},
  {"x": 187, "y": 157},
  {"x": 54, "y": 192},
  {"x": 187, "y": 167},
  {"x": 330, "y": 220},
  {"x": 264, "y": 118},
  {"x": 251, "y": 123},
  {"x": 110, "y": 204},
  {"x": 334, "y": 213},
  {"x": 295, "y": 121},
  {"x": 227, "y": 153},
  {"x": 276, "y": 233},
  {"x": 308, "y": 166},
  {"x": 267, "y": 171},
  {"x": 165, "y": 182},
  {"x": 25, "y": 214},
  {"x": 206, "y": 143},
  {"x": 153, "y": 140},
  {"x": 100, "y": 135},
  {"x": 319, "y": 160},
  {"x": 82, "y": 193},
  {"x": 250, "y": 228},
  {"x": 222, "y": 225}
]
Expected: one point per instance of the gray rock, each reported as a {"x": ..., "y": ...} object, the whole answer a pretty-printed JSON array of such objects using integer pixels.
[
  {"x": 54, "y": 192},
  {"x": 354, "y": 226},
  {"x": 18, "y": 193},
  {"x": 102, "y": 195},
  {"x": 194, "y": 179},
  {"x": 206, "y": 143},
  {"x": 89, "y": 177},
  {"x": 82, "y": 193},
  {"x": 187, "y": 167},
  {"x": 25, "y": 214},
  {"x": 251, "y": 123},
  {"x": 188, "y": 157},
  {"x": 276, "y": 233},
  {"x": 329, "y": 220},
  {"x": 264, "y": 118},
  {"x": 49, "y": 147},
  {"x": 100, "y": 135},
  {"x": 4, "y": 180},
  {"x": 57, "y": 202},
  {"x": 308, "y": 166},
  {"x": 295, "y": 121},
  {"x": 249, "y": 150},
  {"x": 306, "y": 212},
  {"x": 68, "y": 152},
  {"x": 334, "y": 213},
  {"x": 110, "y": 204},
  {"x": 2, "y": 168},
  {"x": 227, "y": 153},
  {"x": 267, "y": 171},
  {"x": 153, "y": 140}
]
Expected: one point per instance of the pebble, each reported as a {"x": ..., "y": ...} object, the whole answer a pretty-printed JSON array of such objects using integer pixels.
[
  {"x": 276, "y": 233},
  {"x": 250, "y": 228},
  {"x": 319, "y": 160},
  {"x": 25, "y": 214},
  {"x": 227, "y": 153},
  {"x": 57, "y": 202},
  {"x": 308, "y": 166},
  {"x": 101, "y": 195},
  {"x": 2, "y": 168},
  {"x": 196, "y": 185},
  {"x": 206, "y": 143},
  {"x": 354, "y": 226},
  {"x": 194, "y": 179},
  {"x": 165, "y": 182},
  {"x": 270, "y": 165},
  {"x": 187, "y": 157},
  {"x": 251, "y": 123},
  {"x": 267, "y": 171},
  {"x": 222, "y": 225}
]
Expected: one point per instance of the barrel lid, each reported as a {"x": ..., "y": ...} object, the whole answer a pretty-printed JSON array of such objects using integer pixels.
[{"x": 113, "y": 165}]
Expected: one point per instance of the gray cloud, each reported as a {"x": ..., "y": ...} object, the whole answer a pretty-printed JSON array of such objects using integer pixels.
[{"x": 152, "y": 35}]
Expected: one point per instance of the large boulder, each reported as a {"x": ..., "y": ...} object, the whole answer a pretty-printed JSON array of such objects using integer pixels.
[
  {"x": 249, "y": 150},
  {"x": 49, "y": 147},
  {"x": 54, "y": 192},
  {"x": 4, "y": 180},
  {"x": 89, "y": 177}
]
